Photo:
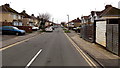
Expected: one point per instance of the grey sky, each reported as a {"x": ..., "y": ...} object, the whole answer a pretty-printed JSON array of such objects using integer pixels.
[{"x": 59, "y": 8}]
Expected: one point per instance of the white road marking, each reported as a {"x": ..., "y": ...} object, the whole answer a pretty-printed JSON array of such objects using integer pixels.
[
  {"x": 4, "y": 48},
  {"x": 88, "y": 60},
  {"x": 31, "y": 61}
]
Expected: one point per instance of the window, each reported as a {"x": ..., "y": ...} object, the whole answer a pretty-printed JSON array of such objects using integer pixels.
[
  {"x": 10, "y": 28},
  {"x": 15, "y": 23},
  {"x": 92, "y": 19},
  {"x": 19, "y": 17},
  {"x": 113, "y": 21},
  {"x": 31, "y": 24},
  {"x": 20, "y": 23},
  {"x": 14, "y": 16}
]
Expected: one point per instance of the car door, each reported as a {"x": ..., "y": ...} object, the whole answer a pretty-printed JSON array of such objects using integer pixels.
[
  {"x": 5, "y": 30},
  {"x": 11, "y": 30}
]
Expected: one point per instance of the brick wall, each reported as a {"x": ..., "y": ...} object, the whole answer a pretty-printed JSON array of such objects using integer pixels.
[{"x": 6, "y": 23}]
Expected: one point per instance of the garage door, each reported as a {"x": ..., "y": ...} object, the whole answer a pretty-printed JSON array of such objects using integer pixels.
[{"x": 101, "y": 33}]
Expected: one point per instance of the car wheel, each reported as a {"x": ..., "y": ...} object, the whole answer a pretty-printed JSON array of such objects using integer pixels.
[{"x": 17, "y": 34}]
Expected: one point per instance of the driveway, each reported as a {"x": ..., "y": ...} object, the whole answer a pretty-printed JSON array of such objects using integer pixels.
[{"x": 7, "y": 37}]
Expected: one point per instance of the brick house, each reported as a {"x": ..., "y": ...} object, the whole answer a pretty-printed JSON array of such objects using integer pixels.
[
  {"x": 36, "y": 21},
  {"x": 9, "y": 16},
  {"x": 26, "y": 18},
  {"x": 76, "y": 22}
]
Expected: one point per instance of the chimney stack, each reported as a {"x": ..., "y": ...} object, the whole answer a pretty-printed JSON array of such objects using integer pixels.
[
  {"x": 7, "y": 5},
  {"x": 24, "y": 11},
  {"x": 32, "y": 15},
  {"x": 107, "y": 6}
]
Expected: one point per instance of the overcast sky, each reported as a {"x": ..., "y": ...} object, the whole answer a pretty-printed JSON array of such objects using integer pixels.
[{"x": 58, "y": 9}]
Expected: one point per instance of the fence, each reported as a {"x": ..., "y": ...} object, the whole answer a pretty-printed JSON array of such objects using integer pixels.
[{"x": 87, "y": 32}]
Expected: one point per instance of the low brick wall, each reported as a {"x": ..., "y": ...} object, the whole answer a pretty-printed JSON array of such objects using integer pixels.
[
  {"x": 28, "y": 29},
  {"x": 6, "y": 23}
]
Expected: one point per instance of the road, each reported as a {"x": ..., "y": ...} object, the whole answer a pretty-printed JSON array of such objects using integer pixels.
[{"x": 53, "y": 49}]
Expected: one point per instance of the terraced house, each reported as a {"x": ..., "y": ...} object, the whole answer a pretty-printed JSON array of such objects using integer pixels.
[
  {"x": 35, "y": 21},
  {"x": 9, "y": 16},
  {"x": 26, "y": 18}
]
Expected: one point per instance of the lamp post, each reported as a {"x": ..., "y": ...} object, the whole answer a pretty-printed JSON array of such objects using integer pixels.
[
  {"x": 68, "y": 18},
  {"x": 52, "y": 19},
  {"x": 68, "y": 21}
]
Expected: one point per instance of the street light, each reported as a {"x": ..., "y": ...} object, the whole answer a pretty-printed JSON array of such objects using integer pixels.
[
  {"x": 68, "y": 22},
  {"x": 68, "y": 18},
  {"x": 52, "y": 19}
]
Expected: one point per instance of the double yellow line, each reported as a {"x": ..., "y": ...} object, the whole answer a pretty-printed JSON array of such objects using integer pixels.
[{"x": 87, "y": 59}]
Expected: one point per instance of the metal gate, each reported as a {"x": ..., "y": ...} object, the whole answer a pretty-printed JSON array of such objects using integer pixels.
[{"x": 113, "y": 38}]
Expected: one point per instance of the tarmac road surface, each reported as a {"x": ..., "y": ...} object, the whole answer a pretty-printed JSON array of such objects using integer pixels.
[{"x": 48, "y": 49}]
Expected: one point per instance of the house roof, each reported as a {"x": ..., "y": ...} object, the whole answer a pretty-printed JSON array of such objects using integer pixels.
[
  {"x": 85, "y": 17},
  {"x": 111, "y": 11},
  {"x": 25, "y": 14},
  {"x": 32, "y": 16},
  {"x": 7, "y": 8},
  {"x": 97, "y": 12},
  {"x": 76, "y": 20}
]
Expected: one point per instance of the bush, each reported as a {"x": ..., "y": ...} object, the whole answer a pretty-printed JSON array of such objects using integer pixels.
[{"x": 64, "y": 29}]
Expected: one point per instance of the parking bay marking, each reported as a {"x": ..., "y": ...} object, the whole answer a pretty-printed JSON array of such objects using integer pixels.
[
  {"x": 31, "y": 61},
  {"x": 88, "y": 60}
]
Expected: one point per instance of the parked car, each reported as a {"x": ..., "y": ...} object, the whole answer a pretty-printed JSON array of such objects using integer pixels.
[
  {"x": 35, "y": 28},
  {"x": 49, "y": 29},
  {"x": 52, "y": 27},
  {"x": 77, "y": 29},
  {"x": 12, "y": 30}
]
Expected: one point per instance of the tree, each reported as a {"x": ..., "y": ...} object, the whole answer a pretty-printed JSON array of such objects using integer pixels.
[{"x": 45, "y": 16}]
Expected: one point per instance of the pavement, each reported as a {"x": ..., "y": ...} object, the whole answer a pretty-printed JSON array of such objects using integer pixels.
[
  {"x": 48, "y": 49},
  {"x": 97, "y": 52},
  {"x": 11, "y": 39}
]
